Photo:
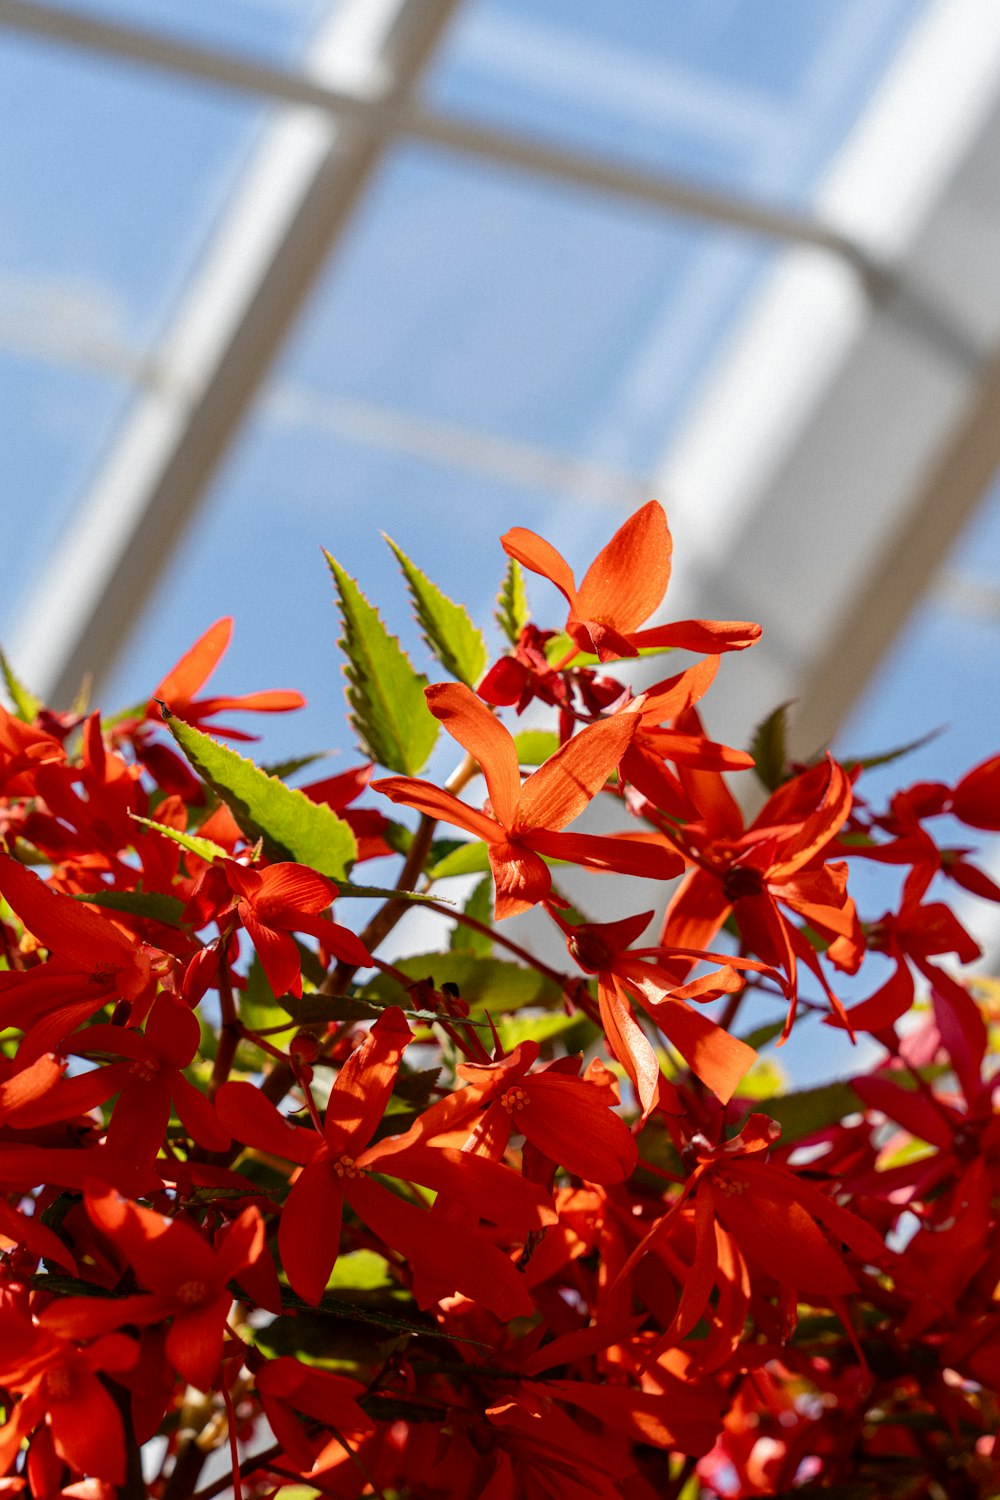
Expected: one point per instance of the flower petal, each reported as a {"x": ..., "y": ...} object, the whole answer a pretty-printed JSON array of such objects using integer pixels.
[
  {"x": 561, "y": 788},
  {"x": 469, "y": 721},
  {"x": 629, "y": 577}
]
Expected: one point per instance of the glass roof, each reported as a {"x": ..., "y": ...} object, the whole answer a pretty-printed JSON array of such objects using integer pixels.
[
  {"x": 750, "y": 96},
  {"x": 111, "y": 179},
  {"x": 484, "y": 348}
]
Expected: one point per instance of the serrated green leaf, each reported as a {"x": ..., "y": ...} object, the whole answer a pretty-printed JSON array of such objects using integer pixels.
[
  {"x": 386, "y": 695},
  {"x": 26, "y": 705},
  {"x": 160, "y": 908},
  {"x": 769, "y": 748},
  {"x": 491, "y": 984},
  {"x": 480, "y": 907},
  {"x": 512, "y": 602},
  {"x": 534, "y": 746},
  {"x": 468, "y": 859},
  {"x": 447, "y": 629},
  {"x": 291, "y": 826},
  {"x": 205, "y": 849},
  {"x": 319, "y": 1009}
]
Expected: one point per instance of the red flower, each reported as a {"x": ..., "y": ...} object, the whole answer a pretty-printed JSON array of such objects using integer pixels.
[
  {"x": 187, "y": 1281},
  {"x": 280, "y": 899},
  {"x": 181, "y": 683},
  {"x": 59, "y": 1385},
  {"x": 523, "y": 820},
  {"x": 776, "y": 862},
  {"x": 336, "y": 1167},
  {"x": 147, "y": 1082},
  {"x": 621, "y": 588},
  {"x": 654, "y": 977}
]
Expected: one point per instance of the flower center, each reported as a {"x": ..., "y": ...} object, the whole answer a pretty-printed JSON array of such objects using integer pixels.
[
  {"x": 742, "y": 881},
  {"x": 513, "y": 1099},
  {"x": 731, "y": 1187},
  {"x": 191, "y": 1293},
  {"x": 590, "y": 951},
  {"x": 59, "y": 1384},
  {"x": 145, "y": 1069},
  {"x": 345, "y": 1166}
]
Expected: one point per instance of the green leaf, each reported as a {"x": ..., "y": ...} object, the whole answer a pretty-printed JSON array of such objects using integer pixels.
[
  {"x": 769, "y": 748},
  {"x": 152, "y": 904},
  {"x": 761, "y": 1035},
  {"x": 491, "y": 984},
  {"x": 448, "y": 631},
  {"x": 534, "y": 746},
  {"x": 259, "y": 1009},
  {"x": 868, "y": 762},
  {"x": 385, "y": 694},
  {"x": 347, "y": 888},
  {"x": 514, "y": 1029},
  {"x": 205, "y": 849},
  {"x": 468, "y": 859},
  {"x": 25, "y": 703},
  {"x": 284, "y": 769},
  {"x": 480, "y": 906},
  {"x": 802, "y": 1113},
  {"x": 512, "y": 602},
  {"x": 291, "y": 826},
  {"x": 764, "y": 1080}
]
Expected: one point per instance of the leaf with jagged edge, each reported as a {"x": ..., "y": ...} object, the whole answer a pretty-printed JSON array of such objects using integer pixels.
[
  {"x": 512, "y": 613},
  {"x": 26, "y": 704},
  {"x": 447, "y": 628},
  {"x": 205, "y": 849},
  {"x": 769, "y": 748},
  {"x": 386, "y": 695},
  {"x": 291, "y": 826}
]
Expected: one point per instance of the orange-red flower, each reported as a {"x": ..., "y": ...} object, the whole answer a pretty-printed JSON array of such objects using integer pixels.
[
  {"x": 654, "y": 978},
  {"x": 280, "y": 899},
  {"x": 336, "y": 1168},
  {"x": 778, "y": 861},
  {"x": 59, "y": 1385},
  {"x": 188, "y": 1282},
  {"x": 622, "y": 587},
  {"x": 177, "y": 690},
  {"x": 522, "y": 822}
]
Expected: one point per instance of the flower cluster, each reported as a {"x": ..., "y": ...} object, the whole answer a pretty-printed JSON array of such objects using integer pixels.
[{"x": 481, "y": 1221}]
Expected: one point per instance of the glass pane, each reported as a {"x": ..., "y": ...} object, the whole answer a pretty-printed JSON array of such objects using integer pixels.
[
  {"x": 276, "y": 30},
  {"x": 753, "y": 95},
  {"x": 489, "y": 300},
  {"x": 111, "y": 178}
]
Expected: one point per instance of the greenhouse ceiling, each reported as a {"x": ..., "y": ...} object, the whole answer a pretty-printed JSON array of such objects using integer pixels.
[{"x": 277, "y": 274}]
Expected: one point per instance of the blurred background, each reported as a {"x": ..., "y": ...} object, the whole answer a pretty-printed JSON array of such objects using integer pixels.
[{"x": 278, "y": 274}]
